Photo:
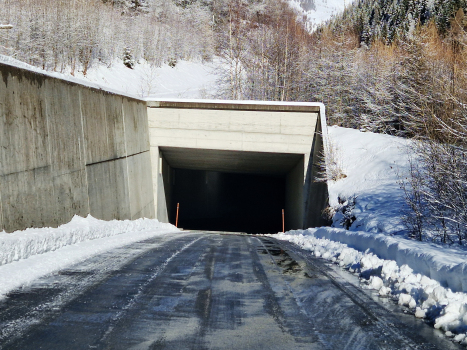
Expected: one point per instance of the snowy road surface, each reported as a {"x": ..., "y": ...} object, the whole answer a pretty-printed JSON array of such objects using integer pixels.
[{"x": 206, "y": 291}]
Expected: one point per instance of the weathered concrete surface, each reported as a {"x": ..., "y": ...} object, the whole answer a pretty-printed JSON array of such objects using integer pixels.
[
  {"x": 294, "y": 196},
  {"x": 67, "y": 149},
  {"x": 243, "y": 137},
  {"x": 316, "y": 192}
]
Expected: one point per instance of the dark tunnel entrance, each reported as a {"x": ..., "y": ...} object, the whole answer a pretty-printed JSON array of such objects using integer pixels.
[
  {"x": 220, "y": 201},
  {"x": 234, "y": 191}
]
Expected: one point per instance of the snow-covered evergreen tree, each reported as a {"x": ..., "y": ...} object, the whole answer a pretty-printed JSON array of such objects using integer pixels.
[{"x": 128, "y": 59}]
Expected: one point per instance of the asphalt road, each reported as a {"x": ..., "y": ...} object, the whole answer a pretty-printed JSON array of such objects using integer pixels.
[{"x": 207, "y": 291}]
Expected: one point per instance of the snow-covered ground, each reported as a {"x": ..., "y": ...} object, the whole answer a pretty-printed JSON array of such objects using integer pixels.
[
  {"x": 318, "y": 11},
  {"x": 430, "y": 279},
  {"x": 398, "y": 276},
  {"x": 195, "y": 80},
  {"x": 373, "y": 164},
  {"x": 187, "y": 79},
  {"x": 32, "y": 253}
]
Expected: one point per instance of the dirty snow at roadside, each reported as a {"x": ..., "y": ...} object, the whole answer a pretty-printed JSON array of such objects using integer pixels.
[
  {"x": 32, "y": 253},
  {"x": 426, "y": 297}
]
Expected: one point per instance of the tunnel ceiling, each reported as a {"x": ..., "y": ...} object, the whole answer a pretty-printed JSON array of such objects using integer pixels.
[{"x": 231, "y": 161}]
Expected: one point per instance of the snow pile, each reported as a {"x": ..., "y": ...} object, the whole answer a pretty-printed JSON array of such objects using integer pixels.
[
  {"x": 448, "y": 266},
  {"x": 33, "y": 253},
  {"x": 23, "y": 244},
  {"x": 398, "y": 274},
  {"x": 372, "y": 164}
]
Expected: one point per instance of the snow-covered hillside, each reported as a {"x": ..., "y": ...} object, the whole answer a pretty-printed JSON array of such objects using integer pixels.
[
  {"x": 187, "y": 79},
  {"x": 318, "y": 11},
  {"x": 429, "y": 279},
  {"x": 373, "y": 165}
]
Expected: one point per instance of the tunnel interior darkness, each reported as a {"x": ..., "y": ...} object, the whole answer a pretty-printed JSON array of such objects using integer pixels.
[
  {"x": 230, "y": 190},
  {"x": 222, "y": 201}
]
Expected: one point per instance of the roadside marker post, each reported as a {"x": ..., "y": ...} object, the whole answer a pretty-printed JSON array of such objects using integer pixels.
[
  {"x": 283, "y": 222},
  {"x": 176, "y": 219}
]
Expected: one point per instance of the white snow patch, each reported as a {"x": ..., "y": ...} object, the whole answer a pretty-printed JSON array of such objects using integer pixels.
[
  {"x": 371, "y": 163},
  {"x": 32, "y": 241},
  {"x": 32, "y": 253},
  {"x": 427, "y": 278},
  {"x": 446, "y": 265},
  {"x": 458, "y": 338},
  {"x": 186, "y": 80},
  {"x": 195, "y": 80},
  {"x": 406, "y": 300},
  {"x": 376, "y": 283},
  {"x": 317, "y": 12}
]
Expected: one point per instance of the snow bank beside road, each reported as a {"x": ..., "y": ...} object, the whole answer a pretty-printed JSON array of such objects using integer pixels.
[
  {"x": 23, "y": 244},
  {"x": 32, "y": 253},
  {"x": 427, "y": 278},
  {"x": 445, "y": 265},
  {"x": 448, "y": 266}
]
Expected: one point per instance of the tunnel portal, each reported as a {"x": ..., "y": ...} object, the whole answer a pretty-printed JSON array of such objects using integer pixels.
[
  {"x": 232, "y": 191},
  {"x": 234, "y": 165},
  {"x": 220, "y": 201}
]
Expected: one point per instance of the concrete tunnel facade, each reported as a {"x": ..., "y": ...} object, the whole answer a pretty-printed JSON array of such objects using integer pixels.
[
  {"x": 71, "y": 149},
  {"x": 234, "y": 165}
]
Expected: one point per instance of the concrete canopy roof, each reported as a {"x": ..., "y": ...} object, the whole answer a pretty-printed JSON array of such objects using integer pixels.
[
  {"x": 278, "y": 164},
  {"x": 270, "y": 106}
]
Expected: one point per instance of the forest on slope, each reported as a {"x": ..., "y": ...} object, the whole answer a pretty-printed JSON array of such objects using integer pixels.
[
  {"x": 403, "y": 71},
  {"x": 381, "y": 65},
  {"x": 66, "y": 36},
  {"x": 257, "y": 42}
]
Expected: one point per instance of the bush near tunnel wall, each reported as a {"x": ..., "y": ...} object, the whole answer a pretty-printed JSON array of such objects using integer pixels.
[{"x": 68, "y": 149}]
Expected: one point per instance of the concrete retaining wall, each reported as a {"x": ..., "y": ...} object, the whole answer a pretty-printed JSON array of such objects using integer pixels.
[{"x": 68, "y": 149}]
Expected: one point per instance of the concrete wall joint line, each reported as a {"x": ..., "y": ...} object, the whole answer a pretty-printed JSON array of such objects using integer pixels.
[
  {"x": 114, "y": 159},
  {"x": 83, "y": 154},
  {"x": 126, "y": 162},
  {"x": 22, "y": 171},
  {"x": 308, "y": 134}
]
